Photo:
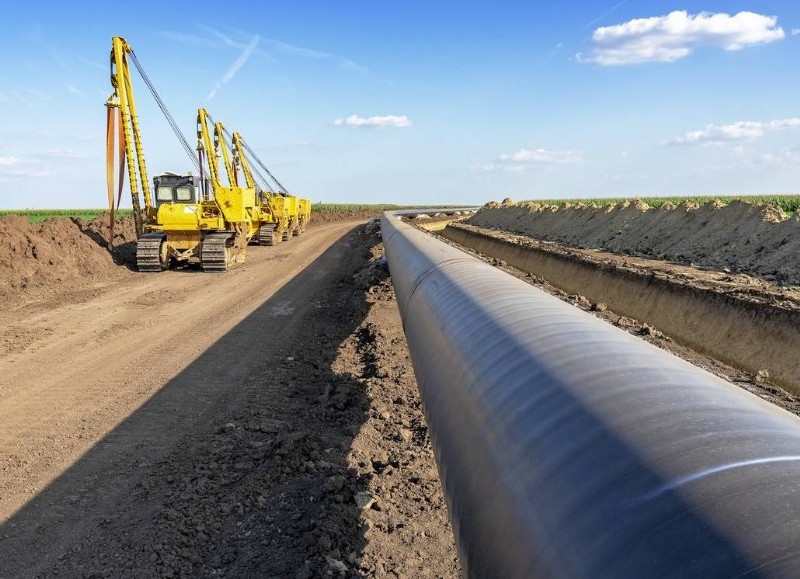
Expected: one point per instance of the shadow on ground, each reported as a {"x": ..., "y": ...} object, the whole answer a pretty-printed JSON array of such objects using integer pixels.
[{"x": 236, "y": 467}]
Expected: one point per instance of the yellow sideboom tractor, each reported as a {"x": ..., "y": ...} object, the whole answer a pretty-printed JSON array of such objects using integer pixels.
[{"x": 191, "y": 218}]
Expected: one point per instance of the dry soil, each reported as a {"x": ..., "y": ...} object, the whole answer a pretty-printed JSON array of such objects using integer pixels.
[{"x": 264, "y": 422}]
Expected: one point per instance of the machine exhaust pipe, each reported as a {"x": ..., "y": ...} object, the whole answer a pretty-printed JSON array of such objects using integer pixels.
[{"x": 569, "y": 448}]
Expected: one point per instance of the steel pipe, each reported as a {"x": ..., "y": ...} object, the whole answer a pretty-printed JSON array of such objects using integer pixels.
[{"x": 569, "y": 448}]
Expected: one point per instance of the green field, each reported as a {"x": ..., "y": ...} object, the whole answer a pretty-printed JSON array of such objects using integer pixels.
[
  {"x": 788, "y": 203},
  {"x": 369, "y": 207},
  {"x": 36, "y": 215}
]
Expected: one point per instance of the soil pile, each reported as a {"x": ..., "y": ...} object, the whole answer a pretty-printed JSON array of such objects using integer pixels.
[
  {"x": 124, "y": 242},
  {"x": 41, "y": 260},
  {"x": 47, "y": 256},
  {"x": 339, "y": 216},
  {"x": 740, "y": 237}
]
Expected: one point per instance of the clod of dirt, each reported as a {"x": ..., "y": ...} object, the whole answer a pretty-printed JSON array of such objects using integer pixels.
[
  {"x": 760, "y": 377},
  {"x": 648, "y": 330}
]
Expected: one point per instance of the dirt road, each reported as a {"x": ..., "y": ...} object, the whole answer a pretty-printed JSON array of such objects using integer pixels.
[{"x": 191, "y": 424}]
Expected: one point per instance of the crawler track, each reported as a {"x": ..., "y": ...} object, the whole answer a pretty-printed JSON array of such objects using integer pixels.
[
  {"x": 214, "y": 255},
  {"x": 266, "y": 234},
  {"x": 148, "y": 252}
]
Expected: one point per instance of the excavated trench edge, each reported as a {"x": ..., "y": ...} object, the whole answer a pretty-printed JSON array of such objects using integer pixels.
[{"x": 746, "y": 335}]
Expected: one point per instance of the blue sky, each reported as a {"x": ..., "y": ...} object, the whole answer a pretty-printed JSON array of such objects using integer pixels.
[{"x": 418, "y": 102}]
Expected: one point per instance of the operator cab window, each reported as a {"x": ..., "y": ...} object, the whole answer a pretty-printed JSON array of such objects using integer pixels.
[
  {"x": 183, "y": 194},
  {"x": 164, "y": 194}
]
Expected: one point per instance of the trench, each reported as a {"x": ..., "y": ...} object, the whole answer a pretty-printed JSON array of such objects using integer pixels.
[{"x": 747, "y": 335}]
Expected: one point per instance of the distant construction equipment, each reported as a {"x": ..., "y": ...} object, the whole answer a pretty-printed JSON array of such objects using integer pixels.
[{"x": 192, "y": 218}]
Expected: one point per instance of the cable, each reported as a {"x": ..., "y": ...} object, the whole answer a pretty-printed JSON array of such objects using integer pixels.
[
  {"x": 181, "y": 137},
  {"x": 257, "y": 160}
]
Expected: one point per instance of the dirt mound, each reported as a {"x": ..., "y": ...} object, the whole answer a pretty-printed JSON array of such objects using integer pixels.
[
  {"x": 338, "y": 216},
  {"x": 51, "y": 254},
  {"x": 740, "y": 237},
  {"x": 40, "y": 260}
]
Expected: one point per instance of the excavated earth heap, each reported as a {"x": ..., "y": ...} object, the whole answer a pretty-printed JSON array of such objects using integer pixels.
[{"x": 740, "y": 237}]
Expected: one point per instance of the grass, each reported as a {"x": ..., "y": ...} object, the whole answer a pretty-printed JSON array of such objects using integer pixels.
[
  {"x": 37, "y": 215},
  {"x": 788, "y": 203},
  {"x": 368, "y": 207}
]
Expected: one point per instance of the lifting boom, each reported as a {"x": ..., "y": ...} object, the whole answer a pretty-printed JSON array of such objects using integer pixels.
[{"x": 122, "y": 112}]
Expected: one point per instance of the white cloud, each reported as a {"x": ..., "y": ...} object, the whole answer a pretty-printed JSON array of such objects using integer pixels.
[
  {"x": 34, "y": 165},
  {"x": 495, "y": 167},
  {"x": 62, "y": 154},
  {"x": 543, "y": 156},
  {"x": 523, "y": 159},
  {"x": 738, "y": 131},
  {"x": 23, "y": 173},
  {"x": 75, "y": 90},
  {"x": 782, "y": 159},
  {"x": 400, "y": 121},
  {"x": 626, "y": 177},
  {"x": 234, "y": 68},
  {"x": 12, "y": 167},
  {"x": 676, "y": 35},
  {"x": 795, "y": 31},
  {"x": 792, "y": 123}
]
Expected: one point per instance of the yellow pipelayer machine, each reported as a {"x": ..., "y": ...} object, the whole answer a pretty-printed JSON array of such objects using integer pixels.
[
  {"x": 284, "y": 214},
  {"x": 192, "y": 218}
]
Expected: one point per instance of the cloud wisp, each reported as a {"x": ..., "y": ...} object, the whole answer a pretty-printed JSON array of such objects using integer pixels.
[
  {"x": 316, "y": 54},
  {"x": 524, "y": 159},
  {"x": 12, "y": 167},
  {"x": 234, "y": 68},
  {"x": 214, "y": 37},
  {"x": 61, "y": 154},
  {"x": 738, "y": 131},
  {"x": 779, "y": 160},
  {"x": 606, "y": 13},
  {"x": 675, "y": 36},
  {"x": 379, "y": 122},
  {"x": 38, "y": 164}
]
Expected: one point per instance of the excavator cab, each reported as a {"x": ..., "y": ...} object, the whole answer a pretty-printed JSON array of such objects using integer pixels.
[{"x": 176, "y": 188}]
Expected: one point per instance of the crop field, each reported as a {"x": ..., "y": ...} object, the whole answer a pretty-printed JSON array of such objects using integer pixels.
[
  {"x": 787, "y": 203},
  {"x": 38, "y": 215}
]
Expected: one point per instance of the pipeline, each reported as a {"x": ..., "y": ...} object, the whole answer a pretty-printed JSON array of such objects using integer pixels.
[{"x": 569, "y": 448}]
